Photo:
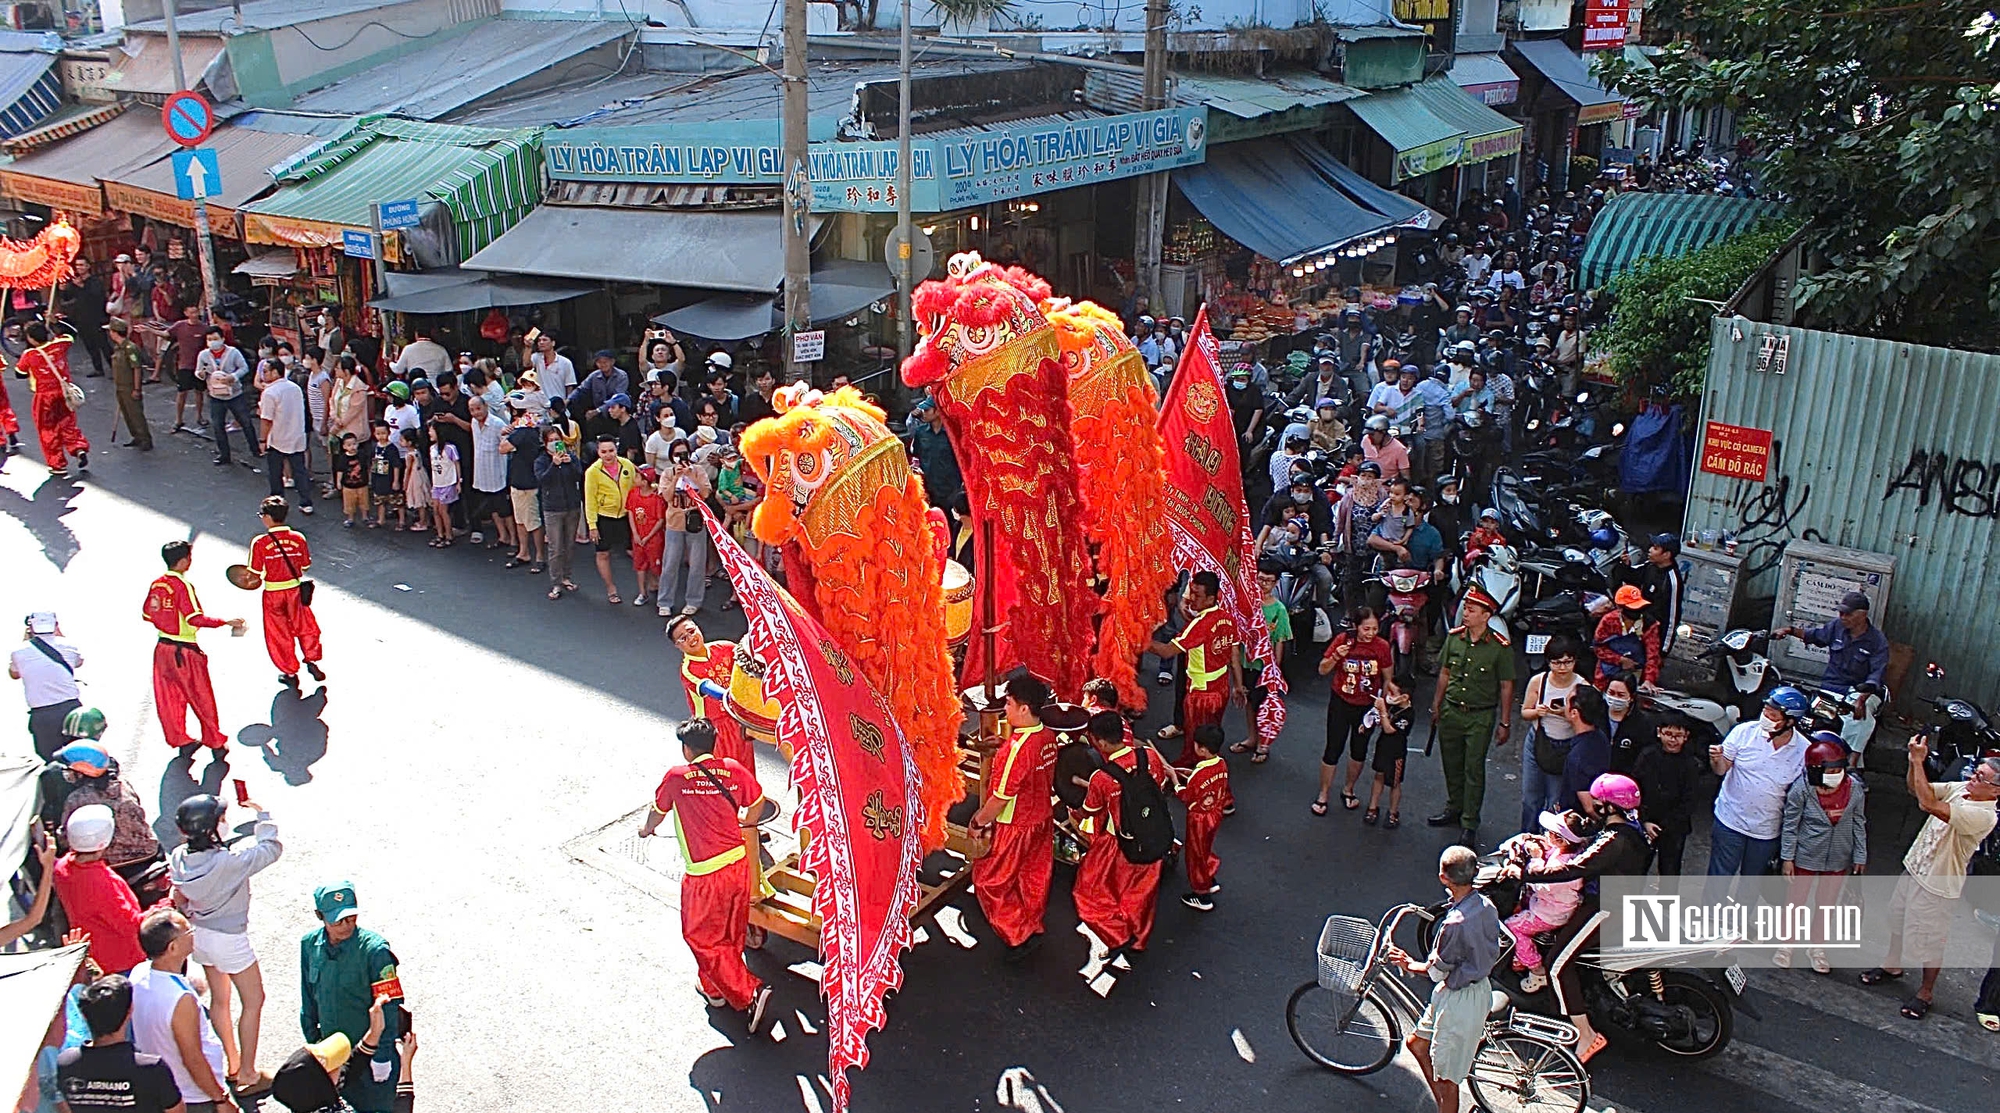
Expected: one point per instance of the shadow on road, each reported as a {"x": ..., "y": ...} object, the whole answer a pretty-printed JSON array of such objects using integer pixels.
[
  {"x": 295, "y": 738},
  {"x": 177, "y": 784},
  {"x": 42, "y": 516}
]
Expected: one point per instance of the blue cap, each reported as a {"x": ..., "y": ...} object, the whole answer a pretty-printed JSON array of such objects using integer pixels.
[
  {"x": 604, "y": 353},
  {"x": 619, "y": 400}
]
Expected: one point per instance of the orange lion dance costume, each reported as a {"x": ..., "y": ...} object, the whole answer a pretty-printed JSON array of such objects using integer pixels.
[
  {"x": 990, "y": 358},
  {"x": 840, "y": 485},
  {"x": 1114, "y": 413}
]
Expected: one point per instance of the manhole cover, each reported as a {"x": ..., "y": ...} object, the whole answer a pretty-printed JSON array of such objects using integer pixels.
[{"x": 653, "y": 865}]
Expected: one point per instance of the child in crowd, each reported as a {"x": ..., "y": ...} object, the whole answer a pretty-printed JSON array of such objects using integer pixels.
[
  {"x": 1205, "y": 791},
  {"x": 444, "y": 487},
  {"x": 416, "y": 479},
  {"x": 646, "y": 510},
  {"x": 350, "y": 468},
  {"x": 385, "y": 476},
  {"x": 1545, "y": 905},
  {"x": 1390, "y": 718},
  {"x": 736, "y": 497}
]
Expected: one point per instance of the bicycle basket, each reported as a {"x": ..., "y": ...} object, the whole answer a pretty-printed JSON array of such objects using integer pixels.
[{"x": 1345, "y": 944}]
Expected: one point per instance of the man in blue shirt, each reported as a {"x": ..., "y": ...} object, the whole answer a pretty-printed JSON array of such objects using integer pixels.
[
  {"x": 1433, "y": 412},
  {"x": 1857, "y": 652}
]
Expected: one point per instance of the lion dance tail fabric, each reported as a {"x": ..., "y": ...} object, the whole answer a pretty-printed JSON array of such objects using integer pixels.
[
  {"x": 991, "y": 359},
  {"x": 1121, "y": 462},
  {"x": 839, "y": 484}
]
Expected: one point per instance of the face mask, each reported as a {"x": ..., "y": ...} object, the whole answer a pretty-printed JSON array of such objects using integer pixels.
[
  {"x": 1769, "y": 728},
  {"x": 1832, "y": 778},
  {"x": 1617, "y": 704},
  {"x": 1450, "y": 499},
  {"x": 215, "y": 345}
]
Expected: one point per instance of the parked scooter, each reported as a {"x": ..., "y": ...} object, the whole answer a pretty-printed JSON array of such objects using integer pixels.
[
  {"x": 1409, "y": 590},
  {"x": 1494, "y": 570},
  {"x": 1964, "y": 734}
]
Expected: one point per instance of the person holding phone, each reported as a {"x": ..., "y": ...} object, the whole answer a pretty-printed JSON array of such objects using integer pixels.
[
  {"x": 1545, "y": 709},
  {"x": 684, "y": 484},
  {"x": 212, "y": 888},
  {"x": 560, "y": 479}
]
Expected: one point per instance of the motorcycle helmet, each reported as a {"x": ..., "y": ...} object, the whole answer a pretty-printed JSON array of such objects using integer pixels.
[
  {"x": 1145, "y": 321},
  {"x": 85, "y": 759},
  {"x": 400, "y": 391},
  {"x": 1489, "y": 514},
  {"x": 1378, "y": 424},
  {"x": 720, "y": 361},
  {"x": 1617, "y": 790},
  {"x": 198, "y": 818},
  {"x": 1827, "y": 754},
  {"x": 1299, "y": 414},
  {"x": 84, "y": 722},
  {"x": 1603, "y": 537},
  {"x": 1327, "y": 403},
  {"x": 1789, "y": 700}
]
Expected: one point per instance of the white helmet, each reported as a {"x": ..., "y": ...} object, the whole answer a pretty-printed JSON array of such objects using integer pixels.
[{"x": 720, "y": 360}]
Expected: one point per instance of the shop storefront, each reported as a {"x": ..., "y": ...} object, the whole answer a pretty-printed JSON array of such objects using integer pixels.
[
  {"x": 62, "y": 176},
  {"x": 1414, "y": 144},
  {"x": 1564, "y": 107}
]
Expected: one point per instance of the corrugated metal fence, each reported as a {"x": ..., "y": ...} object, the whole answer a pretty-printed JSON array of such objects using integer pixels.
[{"x": 1892, "y": 448}]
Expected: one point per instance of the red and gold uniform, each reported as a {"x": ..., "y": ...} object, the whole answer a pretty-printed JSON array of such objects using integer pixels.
[
  {"x": 9, "y": 424},
  {"x": 705, "y": 798},
  {"x": 1206, "y": 793},
  {"x": 47, "y": 368},
  {"x": 282, "y": 556},
  {"x": 1115, "y": 898},
  {"x": 1012, "y": 880},
  {"x": 645, "y": 509},
  {"x": 1209, "y": 645},
  {"x": 180, "y": 668},
  {"x": 730, "y": 741}
]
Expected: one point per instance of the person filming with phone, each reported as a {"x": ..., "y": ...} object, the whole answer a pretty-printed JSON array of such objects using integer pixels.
[{"x": 212, "y": 889}]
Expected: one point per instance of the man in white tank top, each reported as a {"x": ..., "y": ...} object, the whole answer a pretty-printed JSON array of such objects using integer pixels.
[{"x": 167, "y": 1017}]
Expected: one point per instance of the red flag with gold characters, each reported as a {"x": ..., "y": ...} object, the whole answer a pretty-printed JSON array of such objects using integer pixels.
[
  {"x": 858, "y": 795},
  {"x": 1207, "y": 518}
]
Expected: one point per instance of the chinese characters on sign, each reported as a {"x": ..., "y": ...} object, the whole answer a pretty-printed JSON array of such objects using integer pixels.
[
  {"x": 1604, "y": 25},
  {"x": 1736, "y": 451}
]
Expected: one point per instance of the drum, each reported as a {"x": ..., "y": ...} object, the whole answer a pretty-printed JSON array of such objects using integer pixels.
[
  {"x": 746, "y": 702},
  {"x": 957, "y": 603},
  {"x": 1078, "y": 759}
]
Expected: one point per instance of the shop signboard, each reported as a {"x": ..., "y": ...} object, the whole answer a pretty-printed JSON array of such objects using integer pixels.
[
  {"x": 1486, "y": 148},
  {"x": 1543, "y": 15},
  {"x": 1604, "y": 25},
  {"x": 1599, "y": 114},
  {"x": 1016, "y": 162},
  {"x": 1418, "y": 161},
  {"x": 1495, "y": 94},
  {"x": 1736, "y": 451}
]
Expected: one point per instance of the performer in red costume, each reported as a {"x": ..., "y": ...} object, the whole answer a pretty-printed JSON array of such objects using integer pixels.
[
  {"x": 1012, "y": 880},
  {"x": 283, "y": 557},
  {"x": 47, "y": 367},
  {"x": 1115, "y": 897},
  {"x": 705, "y": 670},
  {"x": 180, "y": 668},
  {"x": 708, "y": 798},
  {"x": 1209, "y": 641},
  {"x": 1206, "y": 793}
]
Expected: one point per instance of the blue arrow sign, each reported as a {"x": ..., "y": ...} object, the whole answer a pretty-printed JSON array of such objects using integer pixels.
[
  {"x": 196, "y": 174},
  {"x": 400, "y": 214},
  {"x": 357, "y": 245}
]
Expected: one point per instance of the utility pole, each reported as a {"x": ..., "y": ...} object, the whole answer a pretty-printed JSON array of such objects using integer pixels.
[
  {"x": 204, "y": 245},
  {"x": 905, "y": 176},
  {"x": 1150, "y": 191},
  {"x": 797, "y": 218}
]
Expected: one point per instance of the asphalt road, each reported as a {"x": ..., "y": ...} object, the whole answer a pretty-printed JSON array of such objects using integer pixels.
[{"x": 474, "y": 738}]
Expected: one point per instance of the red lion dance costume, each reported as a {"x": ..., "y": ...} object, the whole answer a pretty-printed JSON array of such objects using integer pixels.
[
  {"x": 991, "y": 360},
  {"x": 1114, "y": 419},
  {"x": 840, "y": 485},
  {"x": 34, "y": 264}
]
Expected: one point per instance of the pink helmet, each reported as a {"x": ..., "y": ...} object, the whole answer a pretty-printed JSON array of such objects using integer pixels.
[{"x": 1617, "y": 790}]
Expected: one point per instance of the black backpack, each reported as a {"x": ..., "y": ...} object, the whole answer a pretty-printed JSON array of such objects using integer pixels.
[{"x": 1145, "y": 827}]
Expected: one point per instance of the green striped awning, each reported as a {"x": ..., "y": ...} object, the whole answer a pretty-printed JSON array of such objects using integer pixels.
[
  {"x": 1636, "y": 225},
  {"x": 488, "y": 179}
]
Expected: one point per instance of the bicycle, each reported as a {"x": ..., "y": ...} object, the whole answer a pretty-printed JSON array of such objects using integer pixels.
[{"x": 1350, "y": 1019}]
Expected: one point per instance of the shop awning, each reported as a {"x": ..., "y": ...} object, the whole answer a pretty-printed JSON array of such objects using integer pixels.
[
  {"x": 463, "y": 66},
  {"x": 244, "y": 157},
  {"x": 33, "y": 987},
  {"x": 1421, "y": 140},
  {"x": 65, "y": 175},
  {"x": 1487, "y": 78},
  {"x": 840, "y": 288},
  {"x": 1488, "y": 134},
  {"x": 711, "y": 251},
  {"x": 143, "y": 65},
  {"x": 1407, "y": 212},
  {"x": 271, "y": 265},
  {"x": 30, "y": 90},
  {"x": 474, "y": 290},
  {"x": 74, "y": 119},
  {"x": 487, "y": 178},
  {"x": 1568, "y": 72},
  {"x": 1635, "y": 225},
  {"x": 1271, "y": 197}
]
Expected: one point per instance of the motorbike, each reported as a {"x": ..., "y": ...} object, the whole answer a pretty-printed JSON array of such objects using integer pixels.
[
  {"x": 1744, "y": 676},
  {"x": 1682, "y": 1001},
  {"x": 1295, "y": 591},
  {"x": 1409, "y": 590},
  {"x": 1519, "y": 517},
  {"x": 1494, "y": 570},
  {"x": 1573, "y": 612},
  {"x": 1964, "y": 734}
]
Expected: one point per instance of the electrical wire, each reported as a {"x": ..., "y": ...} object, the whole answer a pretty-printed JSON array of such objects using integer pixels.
[{"x": 300, "y": 30}]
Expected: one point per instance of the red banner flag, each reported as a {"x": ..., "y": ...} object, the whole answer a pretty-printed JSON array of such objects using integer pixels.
[
  {"x": 1206, "y": 516},
  {"x": 858, "y": 795}
]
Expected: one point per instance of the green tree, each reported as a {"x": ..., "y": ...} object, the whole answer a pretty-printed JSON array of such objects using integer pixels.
[
  {"x": 1658, "y": 335},
  {"x": 1879, "y": 125}
]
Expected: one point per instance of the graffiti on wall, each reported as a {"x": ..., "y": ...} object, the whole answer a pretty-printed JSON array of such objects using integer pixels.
[
  {"x": 1765, "y": 521},
  {"x": 1959, "y": 486}
]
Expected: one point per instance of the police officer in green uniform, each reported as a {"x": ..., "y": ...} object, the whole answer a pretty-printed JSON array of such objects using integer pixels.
[
  {"x": 340, "y": 964},
  {"x": 1475, "y": 690}
]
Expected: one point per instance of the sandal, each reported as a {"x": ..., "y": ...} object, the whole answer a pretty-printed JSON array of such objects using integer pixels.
[
  {"x": 1349, "y": 801},
  {"x": 555, "y": 593},
  {"x": 1821, "y": 965},
  {"x": 1170, "y": 731},
  {"x": 1319, "y": 807},
  {"x": 613, "y": 599},
  {"x": 1394, "y": 821},
  {"x": 1915, "y": 1008},
  {"x": 1260, "y": 757},
  {"x": 1989, "y": 1021},
  {"x": 1371, "y": 815},
  {"x": 1596, "y": 1045},
  {"x": 513, "y": 562},
  {"x": 536, "y": 567},
  {"x": 1878, "y": 975},
  {"x": 1242, "y": 747},
  {"x": 435, "y": 543},
  {"x": 569, "y": 585}
]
